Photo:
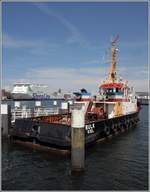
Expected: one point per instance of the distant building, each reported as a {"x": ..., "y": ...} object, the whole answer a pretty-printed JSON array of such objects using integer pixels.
[{"x": 5, "y": 94}]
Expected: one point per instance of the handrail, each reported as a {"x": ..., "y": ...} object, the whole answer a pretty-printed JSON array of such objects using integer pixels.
[{"x": 27, "y": 112}]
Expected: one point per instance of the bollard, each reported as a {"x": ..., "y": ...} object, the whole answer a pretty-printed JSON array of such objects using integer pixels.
[
  {"x": 17, "y": 104},
  {"x": 77, "y": 140},
  {"x": 23, "y": 111},
  {"x": 6, "y": 119},
  {"x": 55, "y": 103},
  {"x": 38, "y": 104}
]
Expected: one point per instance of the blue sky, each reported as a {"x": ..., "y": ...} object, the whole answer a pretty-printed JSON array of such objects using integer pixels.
[{"x": 64, "y": 45}]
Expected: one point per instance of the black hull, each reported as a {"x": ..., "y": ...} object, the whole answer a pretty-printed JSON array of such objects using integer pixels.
[{"x": 59, "y": 135}]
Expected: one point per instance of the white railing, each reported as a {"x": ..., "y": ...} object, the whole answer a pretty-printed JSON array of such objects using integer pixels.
[
  {"x": 45, "y": 111},
  {"x": 18, "y": 113}
]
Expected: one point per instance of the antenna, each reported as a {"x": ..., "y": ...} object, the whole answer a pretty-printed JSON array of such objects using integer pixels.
[{"x": 114, "y": 40}]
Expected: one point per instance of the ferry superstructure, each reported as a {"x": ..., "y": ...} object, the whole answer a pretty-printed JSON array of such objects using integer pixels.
[{"x": 23, "y": 90}]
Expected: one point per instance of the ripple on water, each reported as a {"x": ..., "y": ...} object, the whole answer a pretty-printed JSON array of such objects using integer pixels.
[{"x": 120, "y": 163}]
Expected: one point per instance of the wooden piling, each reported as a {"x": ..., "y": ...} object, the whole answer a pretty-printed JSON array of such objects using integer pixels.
[{"x": 77, "y": 140}]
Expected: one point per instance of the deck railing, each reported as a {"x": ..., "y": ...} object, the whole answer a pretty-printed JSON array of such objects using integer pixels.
[{"x": 18, "y": 113}]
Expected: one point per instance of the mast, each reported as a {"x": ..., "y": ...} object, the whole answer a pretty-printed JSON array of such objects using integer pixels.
[{"x": 112, "y": 71}]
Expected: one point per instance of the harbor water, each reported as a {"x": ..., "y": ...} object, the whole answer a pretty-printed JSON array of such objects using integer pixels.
[{"x": 120, "y": 163}]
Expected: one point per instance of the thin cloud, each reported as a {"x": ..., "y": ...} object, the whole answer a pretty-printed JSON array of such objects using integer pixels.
[
  {"x": 139, "y": 84},
  {"x": 75, "y": 34},
  {"x": 33, "y": 47},
  {"x": 11, "y": 42},
  {"x": 68, "y": 79},
  {"x": 134, "y": 71},
  {"x": 71, "y": 79},
  {"x": 90, "y": 62},
  {"x": 133, "y": 44},
  {"x": 64, "y": 73}
]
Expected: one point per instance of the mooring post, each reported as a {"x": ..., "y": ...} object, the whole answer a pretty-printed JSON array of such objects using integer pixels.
[
  {"x": 77, "y": 140},
  {"x": 5, "y": 119}
]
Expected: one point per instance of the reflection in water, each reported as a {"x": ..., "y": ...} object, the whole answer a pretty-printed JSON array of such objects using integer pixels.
[{"x": 121, "y": 163}]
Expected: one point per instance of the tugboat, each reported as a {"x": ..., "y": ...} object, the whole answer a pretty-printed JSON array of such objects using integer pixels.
[{"x": 114, "y": 110}]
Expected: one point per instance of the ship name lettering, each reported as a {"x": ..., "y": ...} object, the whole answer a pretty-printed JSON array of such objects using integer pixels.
[{"x": 90, "y": 128}]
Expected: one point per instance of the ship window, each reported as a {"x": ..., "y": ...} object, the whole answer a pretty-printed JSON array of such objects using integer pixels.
[
  {"x": 119, "y": 91},
  {"x": 109, "y": 91}
]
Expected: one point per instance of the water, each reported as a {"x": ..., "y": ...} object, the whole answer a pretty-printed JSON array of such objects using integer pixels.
[{"x": 118, "y": 164}]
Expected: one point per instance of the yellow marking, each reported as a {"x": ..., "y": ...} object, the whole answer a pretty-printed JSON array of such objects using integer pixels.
[
  {"x": 112, "y": 72},
  {"x": 117, "y": 109}
]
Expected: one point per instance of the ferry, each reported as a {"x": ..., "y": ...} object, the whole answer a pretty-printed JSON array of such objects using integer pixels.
[
  {"x": 24, "y": 90},
  {"x": 114, "y": 109}
]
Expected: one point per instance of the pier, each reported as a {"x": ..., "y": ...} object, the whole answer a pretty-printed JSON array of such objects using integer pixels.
[
  {"x": 143, "y": 98},
  {"x": 5, "y": 119},
  {"x": 10, "y": 113}
]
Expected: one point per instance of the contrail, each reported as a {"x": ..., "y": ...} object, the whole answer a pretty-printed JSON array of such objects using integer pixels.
[{"x": 75, "y": 34}]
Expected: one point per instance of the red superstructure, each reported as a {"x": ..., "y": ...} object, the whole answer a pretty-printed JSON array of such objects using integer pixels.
[{"x": 112, "y": 85}]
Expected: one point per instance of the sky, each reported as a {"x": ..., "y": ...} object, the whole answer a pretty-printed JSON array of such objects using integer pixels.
[{"x": 66, "y": 45}]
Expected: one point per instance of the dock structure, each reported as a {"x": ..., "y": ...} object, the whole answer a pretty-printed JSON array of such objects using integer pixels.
[
  {"x": 143, "y": 97},
  {"x": 5, "y": 119},
  {"x": 23, "y": 112},
  {"x": 9, "y": 115},
  {"x": 144, "y": 101},
  {"x": 77, "y": 140}
]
